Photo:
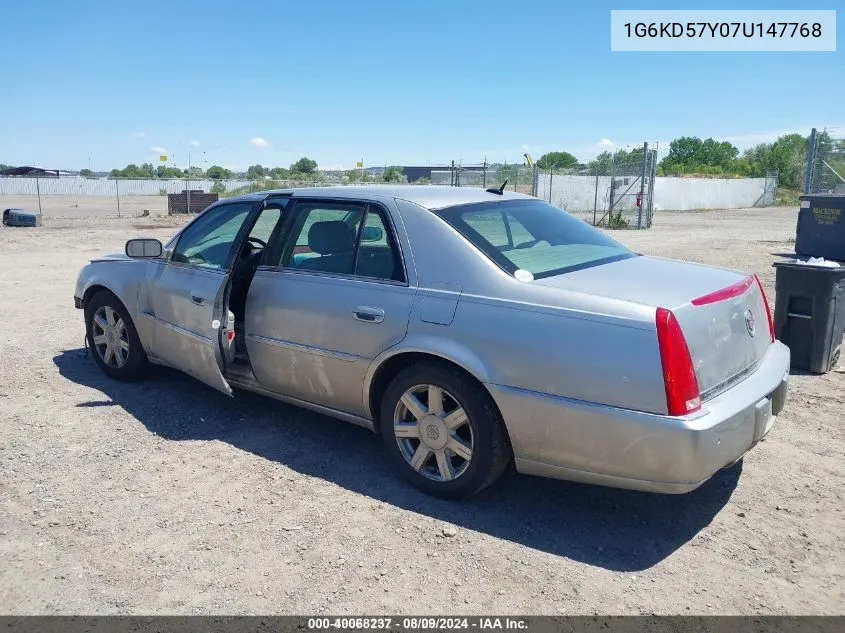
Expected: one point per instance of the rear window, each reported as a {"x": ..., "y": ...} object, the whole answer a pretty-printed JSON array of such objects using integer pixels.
[{"x": 533, "y": 236}]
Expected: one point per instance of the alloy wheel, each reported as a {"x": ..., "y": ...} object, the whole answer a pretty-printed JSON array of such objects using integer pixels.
[
  {"x": 433, "y": 432},
  {"x": 109, "y": 336}
]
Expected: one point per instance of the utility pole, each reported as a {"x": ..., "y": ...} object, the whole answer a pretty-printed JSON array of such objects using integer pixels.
[{"x": 188, "y": 182}]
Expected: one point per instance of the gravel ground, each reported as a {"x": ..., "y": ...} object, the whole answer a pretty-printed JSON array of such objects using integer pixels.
[{"x": 167, "y": 497}]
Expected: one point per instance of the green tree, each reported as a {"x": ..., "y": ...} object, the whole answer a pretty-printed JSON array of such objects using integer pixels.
[
  {"x": 162, "y": 171},
  {"x": 393, "y": 174},
  {"x": 305, "y": 166},
  {"x": 86, "y": 173},
  {"x": 219, "y": 188},
  {"x": 787, "y": 155},
  {"x": 558, "y": 160},
  {"x": 279, "y": 173},
  {"x": 256, "y": 172},
  {"x": 689, "y": 154},
  {"x": 114, "y": 173},
  {"x": 216, "y": 172}
]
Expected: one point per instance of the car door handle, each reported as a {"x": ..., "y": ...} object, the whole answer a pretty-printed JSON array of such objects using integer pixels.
[
  {"x": 197, "y": 300},
  {"x": 368, "y": 315}
]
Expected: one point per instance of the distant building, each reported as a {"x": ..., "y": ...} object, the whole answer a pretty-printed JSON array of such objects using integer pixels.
[{"x": 31, "y": 172}]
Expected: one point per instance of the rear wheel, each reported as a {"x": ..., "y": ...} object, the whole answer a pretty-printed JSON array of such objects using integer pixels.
[
  {"x": 113, "y": 339},
  {"x": 443, "y": 432}
]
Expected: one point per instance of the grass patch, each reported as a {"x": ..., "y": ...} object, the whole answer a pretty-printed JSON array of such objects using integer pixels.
[{"x": 786, "y": 197}]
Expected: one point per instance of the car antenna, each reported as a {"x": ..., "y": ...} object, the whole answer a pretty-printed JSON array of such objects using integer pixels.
[{"x": 498, "y": 191}]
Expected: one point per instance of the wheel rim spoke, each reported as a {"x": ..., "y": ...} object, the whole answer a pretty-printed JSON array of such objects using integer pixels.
[
  {"x": 444, "y": 466},
  {"x": 110, "y": 316},
  {"x": 119, "y": 358},
  {"x": 100, "y": 320},
  {"x": 420, "y": 457},
  {"x": 459, "y": 448},
  {"x": 435, "y": 400},
  {"x": 99, "y": 339},
  {"x": 108, "y": 355},
  {"x": 408, "y": 430},
  {"x": 456, "y": 418},
  {"x": 124, "y": 345},
  {"x": 413, "y": 404}
]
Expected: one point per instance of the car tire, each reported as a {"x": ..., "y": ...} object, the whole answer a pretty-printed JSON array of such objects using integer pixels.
[
  {"x": 423, "y": 456},
  {"x": 108, "y": 340}
]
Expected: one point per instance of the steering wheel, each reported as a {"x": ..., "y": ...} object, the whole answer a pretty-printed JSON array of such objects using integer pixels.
[{"x": 261, "y": 243}]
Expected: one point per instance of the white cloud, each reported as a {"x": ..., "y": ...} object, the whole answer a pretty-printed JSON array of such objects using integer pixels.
[
  {"x": 258, "y": 142},
  {"x": 139, "y": 134},
  {"x": 195, "y": 143},
  {"x": 331, "y": 167},
  {"x": 605, "y": 142},
  {"x": 158, "y": 150}
]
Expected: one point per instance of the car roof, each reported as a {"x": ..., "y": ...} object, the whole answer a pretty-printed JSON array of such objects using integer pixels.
[{"x": 429, "y": 196}]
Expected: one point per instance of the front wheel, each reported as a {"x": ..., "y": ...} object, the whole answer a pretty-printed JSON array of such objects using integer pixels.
[
  {"x": 442, "y": 431},
  {"x": 113, "y": 339}
]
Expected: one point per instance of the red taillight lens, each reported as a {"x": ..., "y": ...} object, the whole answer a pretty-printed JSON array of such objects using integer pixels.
[
  {"x": 725, "y": 293},
  {"x": 768, "y": 311},
  {"x": 682, "y": 394}
]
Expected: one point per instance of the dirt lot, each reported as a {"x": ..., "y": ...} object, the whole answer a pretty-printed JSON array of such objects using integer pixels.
[{"x": 167, "y": 497}]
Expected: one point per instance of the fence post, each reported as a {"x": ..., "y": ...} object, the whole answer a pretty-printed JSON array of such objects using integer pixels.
[
  {"x": 484, "y": 176},
  {"x": 38, "y": 190},
  {"x": 535, "y": 180},
  {"x": 596, "y": 194},
  {"x": 642, "y": 187},
  {"x": 117, "y": 192},
  {"x": 811, "y": 158}
]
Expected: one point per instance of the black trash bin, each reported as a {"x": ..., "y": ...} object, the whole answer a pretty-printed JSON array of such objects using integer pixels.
[
  {"x": 821, "y": 226},
  {"x": 810, "y": 314}
]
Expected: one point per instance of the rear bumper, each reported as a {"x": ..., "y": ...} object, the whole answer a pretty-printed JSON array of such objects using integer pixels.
[{"x": 582, "y": 441}]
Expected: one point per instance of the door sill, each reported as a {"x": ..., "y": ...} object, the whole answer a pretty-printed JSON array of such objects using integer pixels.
[{"x": 249, "y": 383}]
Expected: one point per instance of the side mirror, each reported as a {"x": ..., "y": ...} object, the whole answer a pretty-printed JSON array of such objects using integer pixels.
[
  {"x": 372, "y": 234},
  {"x": 143, "y": 248}
]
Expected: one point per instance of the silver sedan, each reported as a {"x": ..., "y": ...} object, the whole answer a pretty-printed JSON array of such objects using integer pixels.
[{"x": 472, "y": 329}]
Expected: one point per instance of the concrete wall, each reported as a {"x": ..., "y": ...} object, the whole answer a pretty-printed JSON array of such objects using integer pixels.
[
  {"x": 683, "y": 194},
  {"x": 582, "y": 193}
]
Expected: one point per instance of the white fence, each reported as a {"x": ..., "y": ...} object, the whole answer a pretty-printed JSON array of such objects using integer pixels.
[
  {"x": 584, "y": 193},
  {"x": 106, "y": 187}
]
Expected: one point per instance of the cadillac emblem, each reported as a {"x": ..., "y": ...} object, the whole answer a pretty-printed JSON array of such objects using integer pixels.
[{"x": 749, "y": 322}]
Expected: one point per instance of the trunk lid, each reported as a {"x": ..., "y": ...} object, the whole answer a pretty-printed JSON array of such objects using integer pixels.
[{"x": 726, "y": 332}]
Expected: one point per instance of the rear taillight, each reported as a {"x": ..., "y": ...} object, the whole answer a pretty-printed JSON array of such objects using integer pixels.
[
  {"x": 682, "y": 394},
  {"x": 768, "y": 311}
]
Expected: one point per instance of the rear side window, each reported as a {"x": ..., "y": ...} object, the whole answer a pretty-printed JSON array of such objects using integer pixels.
[
  {"x": 533, "y": 236},
  {"x": 345, "y": 239}
]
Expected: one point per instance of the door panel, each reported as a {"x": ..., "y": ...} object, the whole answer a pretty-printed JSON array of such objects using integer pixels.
[
  {"x": 187, "y": 326},
  {"x": 313, "y": 336}
]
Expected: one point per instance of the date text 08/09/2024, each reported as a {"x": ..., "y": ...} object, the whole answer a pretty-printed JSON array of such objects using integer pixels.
[{"x": 479, "y": 623}]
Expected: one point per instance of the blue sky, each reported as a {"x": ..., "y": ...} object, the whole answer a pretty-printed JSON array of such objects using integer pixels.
[{"x": 389, "y": 82}]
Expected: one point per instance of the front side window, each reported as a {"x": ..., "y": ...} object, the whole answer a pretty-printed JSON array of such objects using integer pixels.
[
  {"x": 533, "y": 236},
  {"x": 208, "y": 241}
]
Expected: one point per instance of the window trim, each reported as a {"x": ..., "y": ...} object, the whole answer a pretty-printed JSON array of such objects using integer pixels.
[{"x": 288, "y": 235}]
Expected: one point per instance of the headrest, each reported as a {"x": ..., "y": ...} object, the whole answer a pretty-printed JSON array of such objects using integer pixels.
[{"x": 330, "y": 237}]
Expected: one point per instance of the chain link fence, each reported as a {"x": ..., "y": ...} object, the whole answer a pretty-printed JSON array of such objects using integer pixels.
[
  {"x": 826, "y": 163},
  {"x": 614, "y": 191}
]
